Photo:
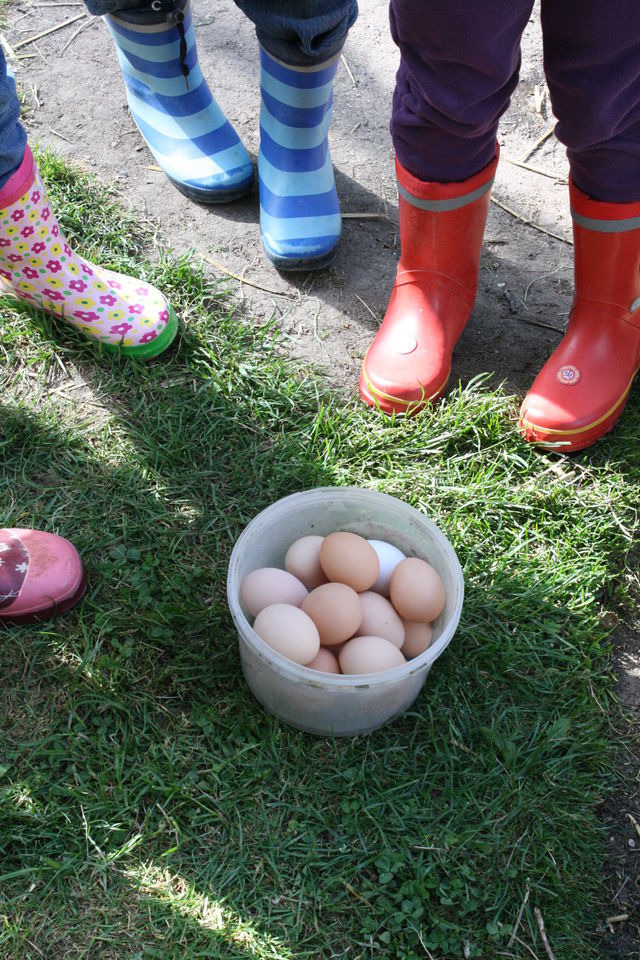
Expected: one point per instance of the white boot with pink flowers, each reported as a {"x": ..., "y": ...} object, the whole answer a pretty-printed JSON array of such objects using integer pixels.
[{"x": 38, "y": 267}]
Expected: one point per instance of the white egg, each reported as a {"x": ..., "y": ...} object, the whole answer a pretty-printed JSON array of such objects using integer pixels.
[{"x": 389, "y": 557}]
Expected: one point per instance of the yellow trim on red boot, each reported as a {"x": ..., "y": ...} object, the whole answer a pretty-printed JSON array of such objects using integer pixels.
[
  {"x": 589, "y": 426},
  {"x": 420, "y": 402}
]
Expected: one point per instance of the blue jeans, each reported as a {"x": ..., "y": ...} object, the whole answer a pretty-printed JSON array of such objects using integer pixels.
[
  {"x": 298, "y": 32},
  {"x": 13, "y": 139}
]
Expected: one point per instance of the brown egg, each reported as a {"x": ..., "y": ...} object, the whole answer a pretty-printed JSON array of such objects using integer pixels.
[
  {"x": 303, "y": 561},
  {"x": 416, "y": 591},
  {"x": 336, "y": 611},
  {"x": 380, "y": 619},
  {"x": 289, "y": 631},
  {"x": 369, "y": 655},
  {"x": 325, "y": 660},
  {"x": 337, "y": 647},
  {"x": 417, "y": 638},
  {"x": 268, "y": 585},
  {"x": 348, "y": 558}
]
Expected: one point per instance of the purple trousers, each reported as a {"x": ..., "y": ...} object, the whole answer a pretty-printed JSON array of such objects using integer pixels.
[{"x": 459, "y": 66}]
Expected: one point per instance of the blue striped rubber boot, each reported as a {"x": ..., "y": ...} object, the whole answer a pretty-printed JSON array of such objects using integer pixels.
[
  {"x": 299, "y": 212},
  {"x": 172, "y": 105}
]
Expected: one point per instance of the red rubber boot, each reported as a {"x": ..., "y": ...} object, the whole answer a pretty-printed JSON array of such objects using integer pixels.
[
  {"x": 441, "y": 228},
  {"x": 581, "y": 391}
]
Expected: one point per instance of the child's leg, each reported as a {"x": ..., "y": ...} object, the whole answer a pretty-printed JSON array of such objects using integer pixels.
[
  {"x": 13, "y": 139},
  {"x": 38, "y": 267},
  {"x": 459, "y": 66},
  {"x": 300, "y": 41},
  {"x": 592, "y": 58}
]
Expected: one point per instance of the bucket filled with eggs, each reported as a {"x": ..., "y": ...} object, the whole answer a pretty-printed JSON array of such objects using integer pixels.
[{"x": 343, "y": 598}]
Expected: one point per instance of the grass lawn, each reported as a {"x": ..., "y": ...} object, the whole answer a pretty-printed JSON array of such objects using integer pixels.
[{"x": 149, "y": 807}]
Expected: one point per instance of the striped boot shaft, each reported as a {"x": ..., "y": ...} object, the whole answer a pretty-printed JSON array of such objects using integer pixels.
[
  {"x": 300, "y": 220},
  {"x": 171, "y": 103}
]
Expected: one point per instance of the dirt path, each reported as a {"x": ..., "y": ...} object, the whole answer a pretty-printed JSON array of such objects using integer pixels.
[{"x": 75, "y": 102}]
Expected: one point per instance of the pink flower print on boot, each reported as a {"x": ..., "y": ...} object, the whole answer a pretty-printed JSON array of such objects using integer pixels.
[
  {"x": 120, "y": 312},
  {"x": 121, "y": 328}
]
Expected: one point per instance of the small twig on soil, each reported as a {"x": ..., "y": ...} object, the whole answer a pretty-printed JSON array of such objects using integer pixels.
[
  {"x": 532, "y": 169},
  {"x": 367, "y": 216},
  {"x": 625, "y": 882},
  {"x": 367, "y": 306},
  {"x": 540, "y": 323},
  {"x": 543, "y": 276},
  {"x": 150, "y": 166},
  {"x": 530, "y": 223},
  {"x": 543, "y": 934},
  {"x": 83, "y": 26},
  {"x": 61, "y": 135},
  {"x": 45, "y": 33},
  {"x": 8, "y": 49},
  {"x": 41, "y": 54},
  {"x": 249, "y": 283},
  {"x": 35, "y": 96},
  {"x": 519, "y": 918},
  {"x": 619, "y": 918},
  {"x": 545, "y": 136},
  {"x": 348, "y": 69},
  {"x": 635, "y": 823}
]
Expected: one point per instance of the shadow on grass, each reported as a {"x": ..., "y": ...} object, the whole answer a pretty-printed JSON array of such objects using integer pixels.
[{"x": 155, "y": 795}]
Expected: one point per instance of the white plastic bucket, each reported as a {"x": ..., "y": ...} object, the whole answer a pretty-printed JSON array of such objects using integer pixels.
[{"x": 324, "y": 703}]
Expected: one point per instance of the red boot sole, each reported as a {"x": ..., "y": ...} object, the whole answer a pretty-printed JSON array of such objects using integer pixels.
[
  {"x": 571, "y": 441},
  {"x": 48, "y": 613},
  {"x": 389, "y": 404}
]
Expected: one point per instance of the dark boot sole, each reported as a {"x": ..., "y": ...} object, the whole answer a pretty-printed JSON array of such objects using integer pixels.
[{"x": 211, "y": 198}]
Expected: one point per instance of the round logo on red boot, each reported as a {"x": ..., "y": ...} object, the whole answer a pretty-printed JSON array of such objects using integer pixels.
[{"x": 568, "y": 375}]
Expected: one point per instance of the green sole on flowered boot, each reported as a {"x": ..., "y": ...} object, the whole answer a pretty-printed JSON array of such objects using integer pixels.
[{"x": 153, "y": 347}]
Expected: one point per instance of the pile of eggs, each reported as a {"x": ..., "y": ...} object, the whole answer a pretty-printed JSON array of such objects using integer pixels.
[{"x": 344, "y": 604}]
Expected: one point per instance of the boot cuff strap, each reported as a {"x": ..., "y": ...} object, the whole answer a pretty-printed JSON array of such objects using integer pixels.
[
  {"x": 152, "y": 13},
  {"x": 601, "y": 216},
  {"x": 463, "y": 191},
  {"x": 19, "y": 182}
]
